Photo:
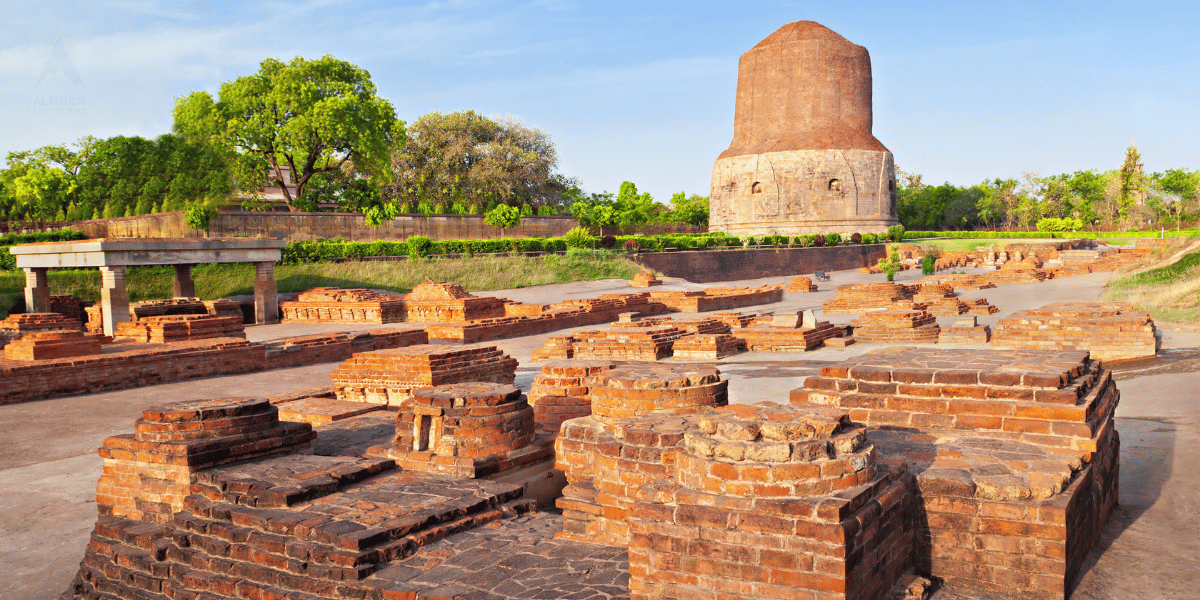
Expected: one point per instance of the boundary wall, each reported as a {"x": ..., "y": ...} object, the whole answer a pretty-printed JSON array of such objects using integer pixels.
[
  {"x": 707, "y": 266},
  {"x": 303, "y": 226}
]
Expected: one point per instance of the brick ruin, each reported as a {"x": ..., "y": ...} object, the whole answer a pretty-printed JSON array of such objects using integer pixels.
[
  {"x": 861, "y": 297},
  {"x": 644, "y": 279},
  {"x": 995, "y": 470},
  {"x": 966, "y": 330},
  {"x": 603, "y": 475},
  {"x": 15, "y": 326},
  {"x": 1015, "y": 456},
  {"x": 148, "y": 474},
  {"x": 390, "y": 377},
  {"x": 560, "y": 392},
  {"x": 179, "y": 328},
  {"x": 165, "y": 307},
  {"x": 1109, "y": 330},
  {"x": 471, "y": 430},
  {"x": 896, "y": 327},
  {"x": 44, "y": 345},
  {"x": 802, "y": 285},
  {"x": 711, "y": 338},
  {"x": 718, "y": 298},
  {"x": 37, "y": 374},
  {"x": 441, "y": 302},
  {"x": 335, "y": 305}
]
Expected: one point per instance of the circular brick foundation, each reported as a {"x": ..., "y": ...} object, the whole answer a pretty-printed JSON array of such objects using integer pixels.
[
  {"x": 772, "y": 450},
  {"x": 635, "y": 390},
  {"x": 560, "y": 393}
]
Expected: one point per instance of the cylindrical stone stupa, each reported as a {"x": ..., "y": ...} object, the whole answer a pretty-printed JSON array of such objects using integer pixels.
[{"x": 803, "y": 159}]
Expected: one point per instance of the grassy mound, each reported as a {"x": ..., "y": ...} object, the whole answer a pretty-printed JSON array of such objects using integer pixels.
[{"x": 1169, "y": 290}]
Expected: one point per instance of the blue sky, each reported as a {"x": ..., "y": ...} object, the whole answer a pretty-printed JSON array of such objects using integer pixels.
[{"x": 643, "y": 91}]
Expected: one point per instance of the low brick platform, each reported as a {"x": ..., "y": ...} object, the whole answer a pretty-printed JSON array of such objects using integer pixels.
[
  {"x": 15, "y": 326},
  {"x": 698, "y": 326},
  {"x": 469, "y": 430},
  {"x": 861, "y": 297},
  {"x": 179, "y": 328},
  {"x": 976, "y": 334},
  {"x": 559, "y": 347},
  {"x": 54, "y": 344},
  {"x": 335, "y": 305},
  {"x": 390, "y": 376},
  {"x": 718, "y": 298},
  {"x": 168, "y": 306},
  {"x": 766, "y": 338},
  {"x": 896, "y": 326},
  {"x": 317, "y": 411},
  {"x": 644, "y": 279},
  {"x": 533, "y": 319},
  {"x": 304, "y": 527},
  {"x": 707, "y": 347},
  {"x": 637, "y": 344},
  {"x": 560, "y": 392},
  {"x": 148, "y": 474},
  {"x": 128, "y": 364},
  {"x": 1109, "y": 330},
  {"x": 802, "y": 285},
  {"x": 442, "y": 302},
  {"x": 1014, "y": 452}
]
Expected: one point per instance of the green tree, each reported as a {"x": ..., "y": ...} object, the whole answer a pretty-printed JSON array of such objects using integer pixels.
[
  {"x": 313, "y": 116},
  {"x": 503, "y": 217},
  {"x": 1132, "y": 182},
  {"x": 1179, "y": 191},
  {"x": 692, "y": 210},
  {"x": 466, "y": 156}
]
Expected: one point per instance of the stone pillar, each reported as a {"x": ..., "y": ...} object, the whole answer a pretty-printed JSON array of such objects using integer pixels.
[
  {"x": 183, "y": 286},
  {"x": 266, "y": 294},
  {"x": 114, "y": 298},
  {"x": 37, "y": 290}
]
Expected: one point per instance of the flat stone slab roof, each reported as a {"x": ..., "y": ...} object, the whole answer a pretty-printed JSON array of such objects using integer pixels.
[{"x": 104, "y": 252}]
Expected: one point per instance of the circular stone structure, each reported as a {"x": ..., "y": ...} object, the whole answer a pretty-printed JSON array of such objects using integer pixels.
[
  {"x": 803, "y": 159},
  {"x": 772, "y": 450},
  {"x": 635, "y": 390}
]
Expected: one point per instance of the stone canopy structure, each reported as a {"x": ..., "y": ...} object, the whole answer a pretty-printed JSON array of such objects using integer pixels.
[{"x": 803, "y": 159}]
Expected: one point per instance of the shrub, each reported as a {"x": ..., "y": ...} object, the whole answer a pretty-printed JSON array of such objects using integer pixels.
[
  {"x": 896, "y": 234},
  {"x": 1053, "y": 224},
  {"x": 856, "y": 238},
  {"x": 608, "y": 241},
  {"x": 818, "y": 240},
  {"x": 833, "y": 239},
  {"x": 419, "y": 245},
  {"x": 578, "y": 237},
  {"x": 927, "y": 265},
  {"x": 631, "y": 246}
]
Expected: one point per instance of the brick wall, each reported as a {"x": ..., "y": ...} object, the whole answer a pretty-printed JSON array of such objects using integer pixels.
[
  {"x": 706, "y": 266},
  {"x": 310, "y": 226}
]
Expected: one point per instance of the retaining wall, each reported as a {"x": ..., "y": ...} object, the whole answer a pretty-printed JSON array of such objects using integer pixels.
[{"x": 706, "y": 266}]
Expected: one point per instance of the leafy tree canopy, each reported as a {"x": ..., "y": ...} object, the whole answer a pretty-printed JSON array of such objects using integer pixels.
[
  {"x": 466, "y": 157},
  {"x": 313, "y": 116}
]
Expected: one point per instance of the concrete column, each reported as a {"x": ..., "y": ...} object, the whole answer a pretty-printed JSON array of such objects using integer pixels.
[
  {"x": 37, "y": 290},
  {"x": 266, "y": 294},
  {"x": 183, "y": 285},
  {"x": 114, "y": 298}
]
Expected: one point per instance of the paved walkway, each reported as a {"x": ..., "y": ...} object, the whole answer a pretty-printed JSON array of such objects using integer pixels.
[{"x": 49, "y": 465}]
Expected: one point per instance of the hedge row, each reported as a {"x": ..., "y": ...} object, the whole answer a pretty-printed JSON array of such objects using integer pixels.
[
  {"x": 322, "y": 250},
  {"x": 909, "y": 235},
  {"x": 8, "y": 262}
]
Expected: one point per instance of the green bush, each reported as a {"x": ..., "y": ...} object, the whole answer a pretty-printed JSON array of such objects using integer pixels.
[
  {"x": 927, "y": 265},
  {"x": 8, "y": 262},
  {"x": 419, "y": 246},
  {"x": 895, "y": 233},
  {"x": 578, "y": 237},
  {"x": 833, "y": 239}
]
